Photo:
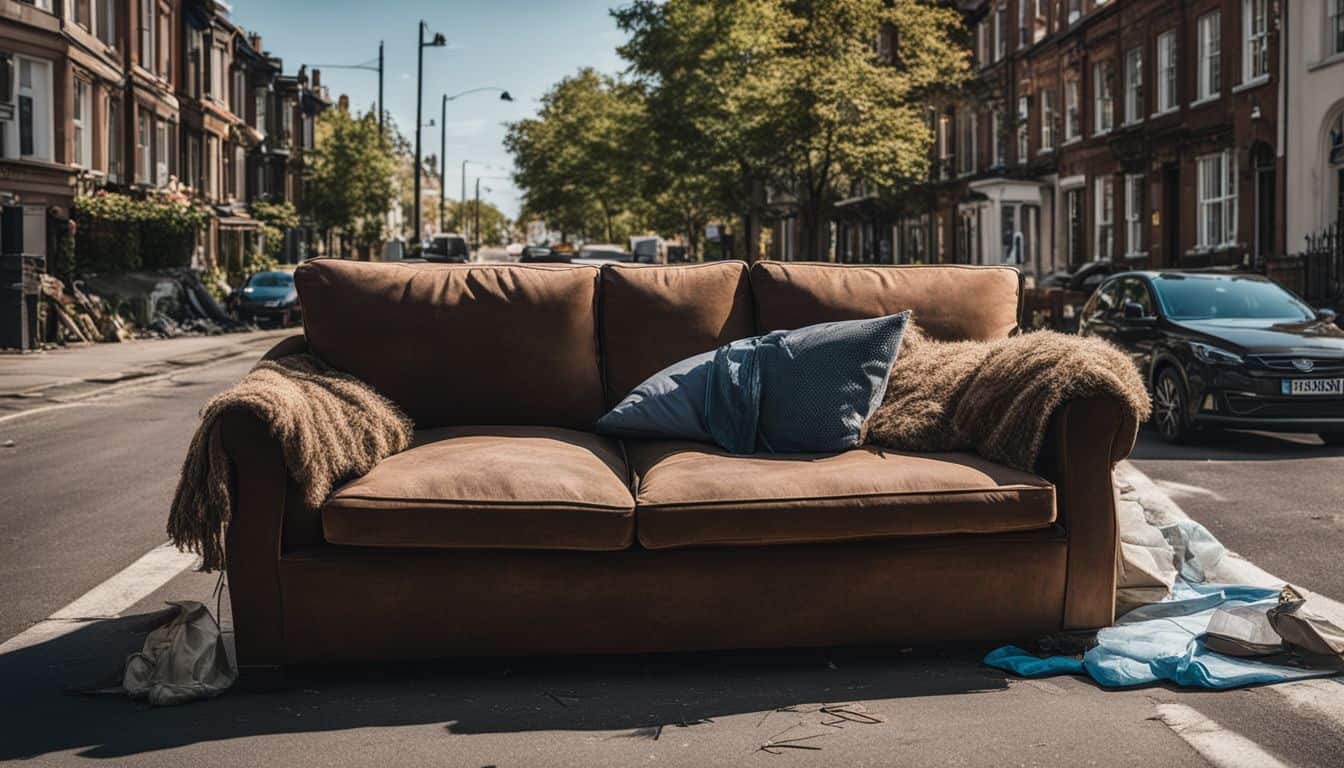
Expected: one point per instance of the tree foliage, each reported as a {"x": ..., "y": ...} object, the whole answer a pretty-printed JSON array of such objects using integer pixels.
[{"x": 349, "y": 175}]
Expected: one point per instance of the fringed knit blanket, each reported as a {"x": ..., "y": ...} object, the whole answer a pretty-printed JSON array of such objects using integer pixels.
[
  {"x": 996, "y": 397},
  {"x": 330, "y": 425}
]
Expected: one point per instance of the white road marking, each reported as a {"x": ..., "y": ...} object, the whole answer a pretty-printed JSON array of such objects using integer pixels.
[
  {"x": 107, "y": 600},
  {"x": 1324, "y": 698},
  {"x": 1180, "y": 490},
  {"x": 1221, "y": 747}
]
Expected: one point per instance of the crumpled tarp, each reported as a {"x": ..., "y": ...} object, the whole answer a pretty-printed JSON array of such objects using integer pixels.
[{"x": 182, "y": 661}]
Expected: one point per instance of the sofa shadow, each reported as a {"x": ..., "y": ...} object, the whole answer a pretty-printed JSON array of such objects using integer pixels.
[{"x": 633, "y": 696}]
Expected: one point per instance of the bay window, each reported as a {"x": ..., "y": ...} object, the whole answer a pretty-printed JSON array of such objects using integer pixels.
[
  {"x": 1210, "y": 55},
  {"x": 1217, "y": 191}
]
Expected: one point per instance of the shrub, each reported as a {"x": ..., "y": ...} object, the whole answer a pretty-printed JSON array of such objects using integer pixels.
[{"x": 118, "y": 233}]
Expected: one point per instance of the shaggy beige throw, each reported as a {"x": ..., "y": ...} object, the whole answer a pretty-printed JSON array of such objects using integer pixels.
[
  {"x": 995, "y": 397},
  {"x": 330, "y": 425}
]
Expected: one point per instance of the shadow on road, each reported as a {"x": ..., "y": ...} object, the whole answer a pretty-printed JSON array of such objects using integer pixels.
[
  {"x": 634, "y": 694},
  {"x": 1229, "y": 445}
]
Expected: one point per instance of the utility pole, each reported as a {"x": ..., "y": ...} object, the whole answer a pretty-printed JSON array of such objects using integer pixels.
[
  {"x": 476, "y": 228},
  {"x": 443, "y": 164},
  {"x": 437, "y": 41},
  {"x": 462, "y": 216},
  {"x": 381, "y": 112}
]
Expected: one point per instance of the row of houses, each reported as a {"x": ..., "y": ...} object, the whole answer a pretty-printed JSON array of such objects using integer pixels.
[
  {"x": 146, "y": 97},
  {"x": 1160, "y": 133}
]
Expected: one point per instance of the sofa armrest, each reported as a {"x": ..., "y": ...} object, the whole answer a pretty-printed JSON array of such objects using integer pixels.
[
  {"x": 290, "y": 345},
  {"x": 1086, "y": 439},
  {"x": 261, "y": 487}
]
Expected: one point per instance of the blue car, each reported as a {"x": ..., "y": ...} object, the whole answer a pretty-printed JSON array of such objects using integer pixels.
[{"x": 268, "y": 297}]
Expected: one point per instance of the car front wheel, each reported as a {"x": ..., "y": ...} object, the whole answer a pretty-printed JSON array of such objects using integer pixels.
[{"x": 1169, "y": 411}]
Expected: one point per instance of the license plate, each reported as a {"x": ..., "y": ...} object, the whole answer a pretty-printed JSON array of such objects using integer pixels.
[{"x": 1313, "y": 387}]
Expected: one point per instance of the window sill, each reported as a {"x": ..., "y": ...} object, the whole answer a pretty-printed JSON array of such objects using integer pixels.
[
  {"x": 1168, "y": 111},
  {"x": 1207, "y": 100},
  {"x": 1136, "y": 255},
  {"x": 1071, "y": 142},
  {"x": 1132, "y": 123},
  {"x": 1099, "y": 134},
  {"x": 1328, "y": 61},
  {"x": 1045, "y": 151},
  {"x": 1251, "y": 84}
]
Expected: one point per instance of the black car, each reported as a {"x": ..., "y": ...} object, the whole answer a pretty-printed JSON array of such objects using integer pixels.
[
  {"x": 1225, "y": 350},
  {"x": 268, "y": 297},
  {"x": 450, "y": 248}
]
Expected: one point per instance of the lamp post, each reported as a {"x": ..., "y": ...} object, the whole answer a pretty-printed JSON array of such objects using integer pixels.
[
  {"x": 367, "y": 66},
  {"x": 443, "y": 146},
  {"x": 437, "y": 41}
]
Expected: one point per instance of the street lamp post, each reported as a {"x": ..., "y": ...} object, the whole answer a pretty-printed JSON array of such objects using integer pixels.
[
  {"x": 443, "y": 147},
  {"x": 438, "y": 41},
  {"x": 367, "y": 67}
]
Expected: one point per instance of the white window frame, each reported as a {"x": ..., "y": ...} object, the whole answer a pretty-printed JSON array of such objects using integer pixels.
[
  {"x": 1023, "y": 27},
  {"x": 105, "y": 21},
  {"x": 1103, "y": 99},
  {"x": 112, "y": 133},
  {"x": 144, "y": 143},
  {"x": 1134, "y": 215},
  {"x": 259, "y": 111},
  {"x": 1073, "y": 115},
  {"x": 1334, "y": 28},
  {"x": 1134, "y": 110},
  {"x": 81, "y": 140},
  {"x": 219, "y": 81},
  {"x": 1001, "y": 32},
  {"x": 967, "y": 140},
  {"x": 1216, "y": 190},
  {"x": 1040, "y": 29},
  {"x": 1048, "y": 116},
  {"x": 1168, "y": 84},
  {"x": 1255, "y": 41},
  {"x": 998, "y": 144},
  {"x": 147, "y": 31},
  {"x": 40, "y": 91},
  {"x": 1103, "y": 229},
  {"x": 945, "y": 153},
  {"x": 162, "y": 149},
  {"x": 1210, "y": 70}
]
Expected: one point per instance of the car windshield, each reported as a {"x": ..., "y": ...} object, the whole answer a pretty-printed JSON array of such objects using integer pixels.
[
  {"x": 272, "y": 280},
  {"x": 1187, "y": 297}
]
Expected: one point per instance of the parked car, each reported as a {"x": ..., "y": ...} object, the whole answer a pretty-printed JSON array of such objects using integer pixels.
[
  {"x": 1225, "y": 350},
  {"x": 600, "y": 253},
  {"x": 268, "y": 297},
  {"x": 447, "y": 247},
  {"x": 536, "y": 254}
]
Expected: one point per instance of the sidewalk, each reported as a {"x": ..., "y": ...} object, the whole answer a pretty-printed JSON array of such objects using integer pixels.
[{"x": 30, "y": 381}]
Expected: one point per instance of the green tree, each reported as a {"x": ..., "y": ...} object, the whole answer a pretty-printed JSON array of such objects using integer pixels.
[
  {"x": 350, "y": 175},
  {"x": 578, "y": 161},
  {"x": 794, "y": 94},
  {"x": 495, "y": 227}
]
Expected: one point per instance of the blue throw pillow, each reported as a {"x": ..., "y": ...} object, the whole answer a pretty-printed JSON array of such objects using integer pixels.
[{"x": 809, "y": 390}]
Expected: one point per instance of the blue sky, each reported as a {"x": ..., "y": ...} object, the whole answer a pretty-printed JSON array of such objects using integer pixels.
[{"x": 521, "y": 46}]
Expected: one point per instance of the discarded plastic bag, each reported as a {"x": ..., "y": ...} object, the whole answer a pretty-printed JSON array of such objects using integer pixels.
[{"x": 182, "y": 661}]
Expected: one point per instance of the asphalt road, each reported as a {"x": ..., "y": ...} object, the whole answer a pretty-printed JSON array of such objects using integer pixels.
[{"x": 85, "y": 490}]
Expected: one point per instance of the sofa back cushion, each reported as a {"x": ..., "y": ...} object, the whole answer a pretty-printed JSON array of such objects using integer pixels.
[
  {"x": 462, "y": 344},
  {"x": 654, "y": 316},
  {"x": 950, "y": 302}
]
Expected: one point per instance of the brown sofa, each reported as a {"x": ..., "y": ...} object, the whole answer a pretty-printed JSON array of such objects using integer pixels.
[{"x": 511, "y": 528}]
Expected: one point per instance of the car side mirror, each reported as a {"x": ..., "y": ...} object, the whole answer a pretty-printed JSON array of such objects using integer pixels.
[
  {"x": 1326, "y": 314},
  {"x": 1134, "y": 311}
]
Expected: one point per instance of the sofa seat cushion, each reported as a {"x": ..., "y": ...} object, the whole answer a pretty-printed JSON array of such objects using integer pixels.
[
  {"x": 490, "y": 487},
  {"x": 692, "y": 494}
]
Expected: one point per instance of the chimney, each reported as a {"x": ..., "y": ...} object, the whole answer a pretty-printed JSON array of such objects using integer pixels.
[
  {"x": 344, "y": 103},
  {"x": 317, "y": 79},
  {"x": 255, "y": 40}
]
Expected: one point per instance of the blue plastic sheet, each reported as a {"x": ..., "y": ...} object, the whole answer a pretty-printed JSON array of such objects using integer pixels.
[{"x": 1161, "y": 642}]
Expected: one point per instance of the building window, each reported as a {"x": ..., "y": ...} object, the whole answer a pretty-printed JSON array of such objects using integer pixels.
[
  {"x": 1073, "y": 211},
  {"x": 105, "y": 21},
  {"x": 1217, "y": 200},
  {"x": 237, "y": 93},
  {"x": 1040, "y": 24},
  {"x": 143, "y": 160},
  {"x": 945, "y": 146},
  {"x": 31, "y": 137},
  {"x": 1166, "y": 71},
  {"x": 82, "y": 138},
  {"x": 1134, "y": 85},
  {"x": 147, "y": 32},
  {"x": 1072, "y": 117},
  {"x": 79, "y": 13},
  {"x": 195, "y": 62},
  {"x": 162, "y": 152},
  {"x": 1103, "y": 114},
  {"x": 1255, "y": 54},
  {"x": 1001, "y": 31},
  {"x": 286, "y": 121},
  {"x": 966, "y": 148},
  {"x": 1075, "y": 10},
  {"x": 218, "y": 67},
  {"x": 1334, "y": 27},
  {"x": 1134, "y": 215},
  {"x": 1047, "y": 120},
  {"x": 259, "y": 115},
  {"x": 998, "y": 138},
  {"x": 1210, "y": 55},
  {"x": 1023, "y": 23},
  {"x": 113, "y": 134},
  {"x": 191, "y": 168},
  {"x": 164, "y": 45},
  {"x": 307, "y": 131},
  {"x": 1104, "y": 190},
  {"x": 212, "y": 167},
  {"x": 1023, "y": 137}
]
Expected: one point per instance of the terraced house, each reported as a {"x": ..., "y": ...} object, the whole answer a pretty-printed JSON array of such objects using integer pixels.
[{"x": 140, "y": 96}]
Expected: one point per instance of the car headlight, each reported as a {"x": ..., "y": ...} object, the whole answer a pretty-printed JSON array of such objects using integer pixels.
[{"x": 1207, "y": 353}]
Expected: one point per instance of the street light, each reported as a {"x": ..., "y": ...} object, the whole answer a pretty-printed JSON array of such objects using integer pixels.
[
  {"x": 443, "y": 142},
  {"x": 367, "y": 66},
  {"x": 464, "y": 178},
  {"x": 437, "y": 42}
]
